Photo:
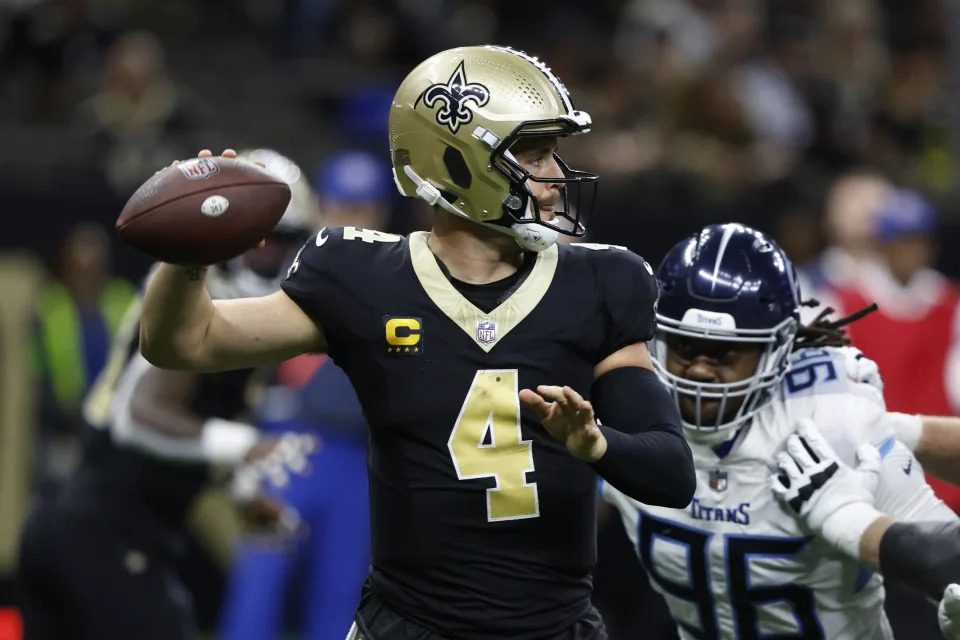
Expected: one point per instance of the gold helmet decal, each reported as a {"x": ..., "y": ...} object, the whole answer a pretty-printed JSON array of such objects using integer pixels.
[{"x": 453, "y": 99}]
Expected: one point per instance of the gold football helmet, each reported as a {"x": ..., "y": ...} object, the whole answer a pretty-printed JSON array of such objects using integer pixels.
[{"x": 452, "y": 124}]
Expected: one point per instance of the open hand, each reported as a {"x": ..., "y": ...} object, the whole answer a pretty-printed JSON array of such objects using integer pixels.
[{"x": 569, "y": 418}]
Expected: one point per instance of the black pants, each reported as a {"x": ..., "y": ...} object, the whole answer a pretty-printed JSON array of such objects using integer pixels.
[
  {"x": 90, "y": 571},
  {"x": 375, "y": 621}
]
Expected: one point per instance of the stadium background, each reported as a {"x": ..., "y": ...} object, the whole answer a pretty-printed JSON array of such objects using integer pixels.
[{"x": 705, "y": 111}]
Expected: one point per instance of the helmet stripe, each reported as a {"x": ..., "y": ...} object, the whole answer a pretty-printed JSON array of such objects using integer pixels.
[{"x": 729, "y": 231}]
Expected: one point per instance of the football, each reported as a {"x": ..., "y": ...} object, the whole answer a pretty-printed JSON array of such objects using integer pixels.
[{"x": 203, "y": 210}]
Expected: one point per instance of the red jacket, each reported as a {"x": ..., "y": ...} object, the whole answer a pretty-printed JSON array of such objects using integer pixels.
[{"x": 913, "y": 338}]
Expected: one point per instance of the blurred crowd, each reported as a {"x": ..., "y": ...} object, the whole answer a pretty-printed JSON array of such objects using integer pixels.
[{"x": 826, "y": 123}]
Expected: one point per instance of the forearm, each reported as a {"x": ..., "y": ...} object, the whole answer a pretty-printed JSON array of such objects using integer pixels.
[
  {"x": 870, "y": 542},
  {"x": 216, "y": 442},
  {"x": 922, "y": 556},
  {"x": 938, "y": 448},
  {"x": 934, "y": 440},
  {"x": 177, "y": 311},
  {"x": 647, "y": 457},
  {"x": 653, "y": 467}
]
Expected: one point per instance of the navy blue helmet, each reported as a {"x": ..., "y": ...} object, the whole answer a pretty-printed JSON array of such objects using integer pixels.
[{"x": 728, "y": 283}]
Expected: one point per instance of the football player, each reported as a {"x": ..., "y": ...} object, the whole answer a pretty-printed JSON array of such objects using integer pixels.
[
  {"x": 736, "y": 563},
  {"x": 479, "y": 352},
  {"x": 98, "y": 560}
]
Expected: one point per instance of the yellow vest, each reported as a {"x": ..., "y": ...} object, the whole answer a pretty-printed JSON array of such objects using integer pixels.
[{"x": 60, "y": 337}]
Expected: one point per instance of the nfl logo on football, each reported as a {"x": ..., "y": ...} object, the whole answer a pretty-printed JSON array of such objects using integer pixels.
[
  {"x": 486, "y": 331},
  {"x": 198, "y": 168},
  {"x": 718, "y": 480}
]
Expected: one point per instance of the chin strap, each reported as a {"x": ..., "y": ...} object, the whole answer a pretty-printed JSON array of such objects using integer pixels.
[{"x": 530, "y": 236}]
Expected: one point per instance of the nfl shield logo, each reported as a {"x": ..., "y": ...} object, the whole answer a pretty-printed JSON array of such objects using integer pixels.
[
  {"x": 718, "y": 480},
  {"x": 486, "y": 331},
  {"x": 198, "y": 168}
]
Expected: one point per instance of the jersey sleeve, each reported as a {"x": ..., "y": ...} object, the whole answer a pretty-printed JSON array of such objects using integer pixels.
[
  {"x": 325, "y": 279},
  {"x": 629, "y": 293},
  {"x": 310, "y": 279},
  {"x": 823, "y": 385}
]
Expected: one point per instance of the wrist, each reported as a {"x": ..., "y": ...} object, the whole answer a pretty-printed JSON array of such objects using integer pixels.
[
  {"x": 907, "y": 428},
  {"x": 597, "y": 451},
  {"x": 226, "y": 442},
  {"x": 844, "y": 528}
]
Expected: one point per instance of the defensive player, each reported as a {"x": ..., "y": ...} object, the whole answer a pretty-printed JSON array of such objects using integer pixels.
[
  {"x": 99, "y": 559},
  {"x": 736, "y": 563},
  {"x": 483, "y": 517}
]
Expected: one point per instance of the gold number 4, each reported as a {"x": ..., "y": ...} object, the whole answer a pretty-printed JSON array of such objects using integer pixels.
[
  {"x": 486, "y": 442},
  {"x": 369, "y": 235}
]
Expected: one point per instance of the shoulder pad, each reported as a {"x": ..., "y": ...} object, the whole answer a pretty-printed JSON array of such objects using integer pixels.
[
  {"x": 342, "y": 246},
  {"x": 628, "y": 293},
  {"x": 828, "y": 370},
  {"x": 840, "y": 390}
]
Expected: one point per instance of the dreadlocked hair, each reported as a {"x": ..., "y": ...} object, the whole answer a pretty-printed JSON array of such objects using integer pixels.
[{"x": 825, "y": 332}]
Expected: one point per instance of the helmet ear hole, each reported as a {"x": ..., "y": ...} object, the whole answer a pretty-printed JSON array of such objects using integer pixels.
[{"x": 457, "y": 167}]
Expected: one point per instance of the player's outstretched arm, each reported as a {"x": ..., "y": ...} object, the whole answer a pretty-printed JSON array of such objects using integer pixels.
[
  {"x": 639, "y": 448},
  {"x": 182, "y": 328},
  {"x": 837, "y": 503},
  {"x": 934, "y": 440}
]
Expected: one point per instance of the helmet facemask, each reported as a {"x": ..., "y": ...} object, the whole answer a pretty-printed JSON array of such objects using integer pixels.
[
  {"x": 578, "y": 189},
  {"x": 756, "y": 390}
]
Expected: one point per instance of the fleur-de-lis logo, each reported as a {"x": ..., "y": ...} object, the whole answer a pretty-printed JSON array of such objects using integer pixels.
[{"x": 454, "y": 98}]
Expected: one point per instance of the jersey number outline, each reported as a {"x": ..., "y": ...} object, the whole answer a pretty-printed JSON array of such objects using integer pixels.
[
  {"x": 486, "y": 442},
  {"x": 745, "y": 598},
  {"x": 802, "y": 378},
  {"x": 369, "y": 235}
]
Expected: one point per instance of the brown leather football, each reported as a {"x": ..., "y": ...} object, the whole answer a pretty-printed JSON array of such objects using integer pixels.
[{"x": 203, "y": 210}]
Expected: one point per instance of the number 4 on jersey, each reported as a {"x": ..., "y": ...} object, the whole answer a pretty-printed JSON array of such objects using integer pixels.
[
  {"x": 486, "y": 442},
  {"x": 369, "y": 235}
]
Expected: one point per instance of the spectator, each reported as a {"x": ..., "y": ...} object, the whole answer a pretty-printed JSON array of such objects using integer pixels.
[
  {"x": 79, "y": 313},
  {"x": 138, "y": 116}
]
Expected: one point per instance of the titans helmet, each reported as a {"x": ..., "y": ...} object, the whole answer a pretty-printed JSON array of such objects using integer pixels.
[
  {"x": 452, "y": 124},
  {"x": 728, "y": 283}
]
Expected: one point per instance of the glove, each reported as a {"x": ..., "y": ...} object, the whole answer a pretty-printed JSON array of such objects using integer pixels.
[
  {"x": 948, "y": 613},
  {"x": 834, "y": 501},
  {"x": 861, "y": 368},
  {"x": 908, "y": 428}
]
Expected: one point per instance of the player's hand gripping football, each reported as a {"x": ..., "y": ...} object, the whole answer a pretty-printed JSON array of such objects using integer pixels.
[{"x": 569, "y": 418}]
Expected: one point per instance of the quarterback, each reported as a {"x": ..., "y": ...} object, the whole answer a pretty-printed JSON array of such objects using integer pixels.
[
  {"x": 482, "y": 466},
  {"x": 737, "y": 562}
]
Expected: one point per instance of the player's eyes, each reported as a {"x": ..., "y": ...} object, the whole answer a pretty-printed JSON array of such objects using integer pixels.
[{"x": 681, "y": 348}]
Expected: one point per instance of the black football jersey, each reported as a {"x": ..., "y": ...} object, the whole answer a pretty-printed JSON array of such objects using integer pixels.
[{"x": 482, "y": 524}]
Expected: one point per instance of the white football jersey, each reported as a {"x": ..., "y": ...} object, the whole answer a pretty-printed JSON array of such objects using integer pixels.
[{"x": 737, "y": 564}]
